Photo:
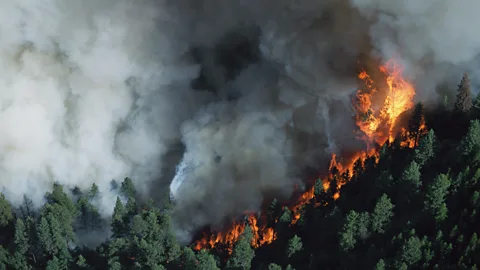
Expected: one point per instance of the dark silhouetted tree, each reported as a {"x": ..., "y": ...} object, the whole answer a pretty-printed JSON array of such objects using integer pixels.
[{"x": 416, "y": 124}]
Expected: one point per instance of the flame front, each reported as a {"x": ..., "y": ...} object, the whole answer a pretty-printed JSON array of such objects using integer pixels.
[
  {"x": 377, "y": 111},
  {"x": 261, "y": 235}
]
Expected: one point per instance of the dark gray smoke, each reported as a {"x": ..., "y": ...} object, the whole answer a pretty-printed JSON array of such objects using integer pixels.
[{"x": 242, "y": 96}]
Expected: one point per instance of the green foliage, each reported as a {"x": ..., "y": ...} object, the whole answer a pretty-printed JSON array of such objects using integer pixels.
[
  {"x": 380, "y": 265},
  {"x": 411, "y": 177},
  {"x": 207, "y": 261},
  {"x": 411, "y": 252},
  {"x": 382, "y": 214},
  {"x": 273, "y": 266},
  {"x": 6, "y": 215},
  {"x": 436, "y": 195},
  {"x": 413, "y": 209},
  {"x": 426, "y": 149},
  {"x": 127, "y": 188},
  {"x": 294, "y": 245},
  {"x": 22, "y": 245},
  {"x": 243, "y": 253},
  {"x": 348, "y": 234},
  {"x": 464, "y": 96},
  {"x": 470, "y": 144}
]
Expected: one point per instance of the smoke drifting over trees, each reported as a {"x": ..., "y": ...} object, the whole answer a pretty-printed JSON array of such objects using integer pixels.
[{"x": 243, "y": 95}]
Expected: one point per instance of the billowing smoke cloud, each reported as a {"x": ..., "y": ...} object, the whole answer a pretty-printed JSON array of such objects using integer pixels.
[
  {"x": 239, "y": 96},
  {"x": 90, "y": 92},
  {"x": 436, "y": 39}
]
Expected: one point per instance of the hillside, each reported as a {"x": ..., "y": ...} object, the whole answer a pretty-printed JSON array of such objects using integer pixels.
[{"x": 403, "y": 208}]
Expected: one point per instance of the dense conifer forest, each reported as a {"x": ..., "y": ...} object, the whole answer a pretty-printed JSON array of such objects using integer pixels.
[{"x": 408, "y": 208}]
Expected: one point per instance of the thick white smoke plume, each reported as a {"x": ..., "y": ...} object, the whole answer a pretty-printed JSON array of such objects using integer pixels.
[
  {"x": 241, "y": 95},
  {"x": 91, "y": 91}
]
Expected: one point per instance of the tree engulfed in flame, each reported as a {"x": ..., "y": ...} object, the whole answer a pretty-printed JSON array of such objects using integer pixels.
[{"x": 376, "y": 119}]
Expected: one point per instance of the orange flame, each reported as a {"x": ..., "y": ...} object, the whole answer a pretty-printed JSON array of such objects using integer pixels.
[
  {"x": 261, "y": 235},
  {"x": 377, "y": 121},
  {"x": 376, "y": 118}
]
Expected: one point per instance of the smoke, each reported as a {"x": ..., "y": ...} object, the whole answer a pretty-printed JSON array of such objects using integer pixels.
[
  {"x": 437, "y": 40},
  {"x": 90, "y": 92},
  {"x": 239, "y": 96}
]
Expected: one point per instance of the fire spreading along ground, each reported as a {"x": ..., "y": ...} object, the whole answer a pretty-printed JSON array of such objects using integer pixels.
[{"x": 378, "y": 106}]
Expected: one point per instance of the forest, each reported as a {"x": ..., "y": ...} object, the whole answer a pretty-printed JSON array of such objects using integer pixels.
[{"x": 405, "y": 208}]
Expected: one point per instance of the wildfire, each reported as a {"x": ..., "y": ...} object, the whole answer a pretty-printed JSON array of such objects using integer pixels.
[
  {"x": 377, "y": 120},
  {"x": 378, "y": 108},
  {"x": 261, "y": 235}
]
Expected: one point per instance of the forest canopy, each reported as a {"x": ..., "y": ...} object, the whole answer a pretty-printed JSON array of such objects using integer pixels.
[{"x": 413, "y": 208}]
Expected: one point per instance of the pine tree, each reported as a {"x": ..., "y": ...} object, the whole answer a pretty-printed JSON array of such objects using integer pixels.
[
  {"x": 470, "y": 144},
  {"x": 435, "y": 197},
  {"x": 22, "y": 245},
  {"x": 426, "y": 148},
  {"x": 63, "y": 210},
  {"x": 243, "y": 253},
  {"x": 207, "y": 261},
  {"x": 118, "y": 219},
  {"x": 189, "y": 259},
  {"x": 89, "y": 218},
  {"x": 464, "y": 102},
  {"x": 411, "y": 252},
  {"x": 382, "y": 214},
  {"x": 127, "y": 188},
  {"x": 411, "y": 177},
  {"x": 348, "y": 233},
  {"x": 4, "y": 258},
  {"x": 294, "y": 246},
  {"x": 93, "y": 192},
  {"x": 5, "y": 211}
]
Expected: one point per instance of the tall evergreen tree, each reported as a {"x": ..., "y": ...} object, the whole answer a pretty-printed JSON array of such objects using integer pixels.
[
  {"x": 382, "y": 214},
  {"x": 470, "y": 144},
  {"x": 22, "y": 246},
  {"x": 464, "y": 100},
  {"x": 242, "y": 255},
  {"x": 349, "y": 231},
  {"x": 426, "y": 148},
  {"x": 436, "y": 195}
]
